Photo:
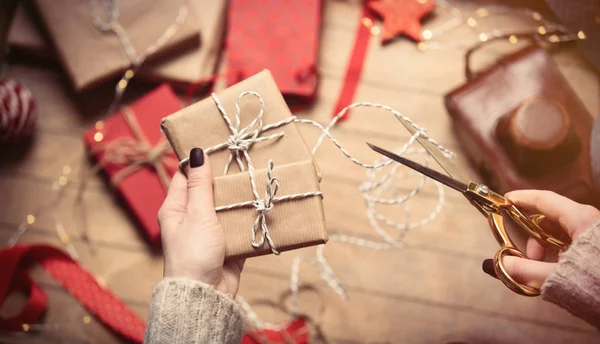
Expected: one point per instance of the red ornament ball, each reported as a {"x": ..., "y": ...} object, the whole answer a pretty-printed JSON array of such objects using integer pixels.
[{"x": 17, "y": 111}]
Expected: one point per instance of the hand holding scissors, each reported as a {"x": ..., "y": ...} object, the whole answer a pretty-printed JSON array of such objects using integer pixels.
[{"x": 492, "y": 206}]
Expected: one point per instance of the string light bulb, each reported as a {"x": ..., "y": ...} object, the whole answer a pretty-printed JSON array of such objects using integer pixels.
[
  {"x": 99, "y": 125},
  {"x": 458, "y": 17},
  {"x": 122, "y": 84},
  {"x": 30, "y": 219},
  {"x": 375, "y": 31},
  {"x": 422, "y": 46},
  {"x": 482, "y": 12},
  {"x": 98, "y": 137},
  {"x": 129, "y": 74}
]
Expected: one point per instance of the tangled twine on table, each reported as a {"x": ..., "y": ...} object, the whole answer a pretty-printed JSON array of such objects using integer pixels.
[{"x": 371, "y": 189}]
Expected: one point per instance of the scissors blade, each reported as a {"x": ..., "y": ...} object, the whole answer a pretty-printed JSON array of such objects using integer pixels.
[
  {"x": 433, "y": 174},
  {"x": 448, "y": 166}
]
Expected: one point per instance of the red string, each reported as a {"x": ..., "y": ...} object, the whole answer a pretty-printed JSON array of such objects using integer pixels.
[{"x": 355, "y": 65}]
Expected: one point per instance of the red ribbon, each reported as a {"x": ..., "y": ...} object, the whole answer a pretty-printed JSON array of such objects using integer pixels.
[
  {"x": 295, "y": 333},
  {"x": 355, "y": 66},
  {"x": 100, "y": 302}
]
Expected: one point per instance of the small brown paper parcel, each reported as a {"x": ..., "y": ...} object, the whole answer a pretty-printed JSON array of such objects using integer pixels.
[
  {"x": 198, "y": 64},
  {"x": 90, "y": 56},
  {"x": 266, "y": 185}
]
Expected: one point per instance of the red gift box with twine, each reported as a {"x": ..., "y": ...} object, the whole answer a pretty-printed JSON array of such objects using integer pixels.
[{"x": 134, "y": 154}]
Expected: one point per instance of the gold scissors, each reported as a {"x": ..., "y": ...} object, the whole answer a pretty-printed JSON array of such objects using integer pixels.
[{"x": 489, "y": 203}]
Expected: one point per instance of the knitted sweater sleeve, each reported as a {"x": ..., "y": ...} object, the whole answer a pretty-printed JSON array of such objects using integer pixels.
[
  {"x": 575, "y": 284},
  {"x": 187, "y": 311}
]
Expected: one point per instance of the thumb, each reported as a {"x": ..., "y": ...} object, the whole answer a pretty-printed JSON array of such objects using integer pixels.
[
  {"x": 200, "y": 202},
  {"x": 525, "y": 271}
]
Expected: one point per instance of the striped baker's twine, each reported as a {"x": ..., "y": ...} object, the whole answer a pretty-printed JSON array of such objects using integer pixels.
[{"x": 112, "y": 25}]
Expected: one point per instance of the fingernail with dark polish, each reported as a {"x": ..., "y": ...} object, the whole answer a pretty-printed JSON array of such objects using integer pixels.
[
  {"x": 488, "y": 267},
  {"x": 196, "y": 157}
]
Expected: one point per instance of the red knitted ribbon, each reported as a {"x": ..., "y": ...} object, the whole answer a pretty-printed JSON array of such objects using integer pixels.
[
  {"x": 101, "y": 302},
  {"x": 355, "y": 65}
]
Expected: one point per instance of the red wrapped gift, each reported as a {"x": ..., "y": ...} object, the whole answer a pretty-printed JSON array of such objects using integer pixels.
[
  {"x": 282, "y": 36},
  {"x": 133, "y": 152}
]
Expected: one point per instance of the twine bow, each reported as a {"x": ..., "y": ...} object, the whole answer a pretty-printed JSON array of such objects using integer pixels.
[
  {"x": 241, "y": 140},
  {"x": 238, "y": 143},
  {"x": 262, "y": 208},
  {"x": 135, "y": 153}
]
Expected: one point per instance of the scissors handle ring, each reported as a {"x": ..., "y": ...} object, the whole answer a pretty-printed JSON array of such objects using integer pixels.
[{"x": 503, "y": 275}]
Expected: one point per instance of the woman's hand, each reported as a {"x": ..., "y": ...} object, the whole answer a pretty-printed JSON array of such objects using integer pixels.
[
  {"x": 192, "y": 237},
  {"x": 563, "y": 216}
]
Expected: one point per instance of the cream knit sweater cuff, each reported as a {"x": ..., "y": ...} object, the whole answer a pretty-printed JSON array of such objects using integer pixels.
[
  {"x": 187, "y": 311},
  {"x": 575, "y": 284}
]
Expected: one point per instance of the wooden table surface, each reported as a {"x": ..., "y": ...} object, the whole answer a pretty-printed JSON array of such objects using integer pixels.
[{"x": 431, "y": 291}]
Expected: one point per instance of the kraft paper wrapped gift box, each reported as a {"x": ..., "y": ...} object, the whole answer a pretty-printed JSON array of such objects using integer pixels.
[
  {"x": 90, "y": 56},
  {"x": 178, "y": 69},
  {"x": 198, "y": 64},
  {"x": 291, "y": 224}
]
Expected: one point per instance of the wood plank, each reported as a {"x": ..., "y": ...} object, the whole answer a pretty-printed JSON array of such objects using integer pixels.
[
  {"x": 108, "y": 220},
  {"x": 56, "y": 110},
  {"x": 438, "y": 293},
  {"x": 333, "y": 163},
  {"x": 379, "y": 319},
  {"x": 109, "y": 223},
  {"x": 59, "y": 110},
  {"x": 129, "y": 274},
  {"x": 39, "y": 159},
  {"x": 426, "y": 110},
  {"x": 58, "y": 113},
  {"x": 445, "y": 280},
  {"x": 401, "y": 66},
  {"x": 422, "y": 321},
  {"x": 63, "y": 322}
]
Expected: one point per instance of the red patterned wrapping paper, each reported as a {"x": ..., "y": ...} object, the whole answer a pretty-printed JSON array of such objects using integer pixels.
[
  {"x": 142, "y": 189},
  {"x": 282, "y": 36}
]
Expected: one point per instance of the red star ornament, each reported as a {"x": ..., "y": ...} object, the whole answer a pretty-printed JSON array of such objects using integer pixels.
[{"x": 401, "y": 17}]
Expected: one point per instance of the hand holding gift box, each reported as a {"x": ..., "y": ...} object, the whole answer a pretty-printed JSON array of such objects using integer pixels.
[{"x": 290, "y": 215}]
